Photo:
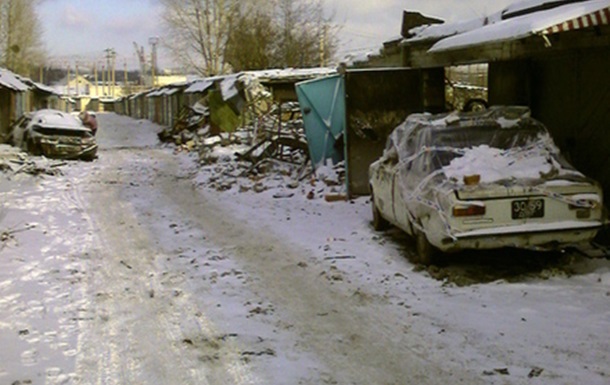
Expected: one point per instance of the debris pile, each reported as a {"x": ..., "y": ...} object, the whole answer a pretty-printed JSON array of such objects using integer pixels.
[
  {"x": 189, "y": 128},
  {"x": 270, "y": 154},
  {"x": 13, "y": 161},
  {"x": 7, "y": 236}
]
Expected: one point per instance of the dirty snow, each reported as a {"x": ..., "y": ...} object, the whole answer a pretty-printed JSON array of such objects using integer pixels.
[{"x": 131, "y": 269}]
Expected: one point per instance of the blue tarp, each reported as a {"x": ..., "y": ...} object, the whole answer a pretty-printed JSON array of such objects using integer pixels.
[{"x": 322, "y": 103}]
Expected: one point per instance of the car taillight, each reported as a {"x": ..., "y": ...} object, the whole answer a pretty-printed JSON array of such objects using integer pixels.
[{"x": 466, "y": 210}]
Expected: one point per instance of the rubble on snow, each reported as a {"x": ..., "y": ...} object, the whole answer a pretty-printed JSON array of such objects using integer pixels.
[
  {"x": 267, "y": 153},
  {"x": 14, "y": 161}
]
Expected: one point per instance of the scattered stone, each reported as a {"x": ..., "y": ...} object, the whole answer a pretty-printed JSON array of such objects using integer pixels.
[
  {"x": 335, "y": 197},
  {"x": 259, "y": 188},
  {"x": 535, "y": 372},
  {"x": 283, "y": 194}
]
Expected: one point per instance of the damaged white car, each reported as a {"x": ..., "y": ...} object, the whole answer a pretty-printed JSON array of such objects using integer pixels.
[
  {"x": 54, "y": 134},
  {"x": 479, "y": 181}
]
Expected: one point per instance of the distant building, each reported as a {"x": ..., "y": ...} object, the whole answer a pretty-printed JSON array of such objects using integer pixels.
[{"x": 164, "y": 80}]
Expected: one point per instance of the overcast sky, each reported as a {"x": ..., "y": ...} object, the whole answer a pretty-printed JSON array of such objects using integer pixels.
[{"x": 82, "y": 29}]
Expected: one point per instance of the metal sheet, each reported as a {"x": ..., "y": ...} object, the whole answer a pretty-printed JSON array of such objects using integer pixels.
[
  {"x": 377, "y": 102},
  {"x": 322, "y": 103}
]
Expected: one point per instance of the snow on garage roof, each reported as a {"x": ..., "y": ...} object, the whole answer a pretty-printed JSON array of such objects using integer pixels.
[
  {"x": 601, "y": 17},
  {"x": 199, "y": 86},
  {"x": 518, "y": 24},
  {"x": 12, "y": 81}
]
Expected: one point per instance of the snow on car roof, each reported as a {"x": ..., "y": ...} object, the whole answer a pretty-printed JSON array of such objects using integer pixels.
[
  {"x": 503, "y": 143},
  {"x": 494, "y": 164},
  {"x": 56, "y": 118}
]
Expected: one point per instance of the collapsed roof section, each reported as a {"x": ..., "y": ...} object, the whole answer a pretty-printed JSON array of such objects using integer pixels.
[{"x": 229, "y": 87}]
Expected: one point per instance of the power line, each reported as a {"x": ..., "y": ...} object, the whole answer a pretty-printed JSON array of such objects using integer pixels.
[{"x": 362, "y": 34}]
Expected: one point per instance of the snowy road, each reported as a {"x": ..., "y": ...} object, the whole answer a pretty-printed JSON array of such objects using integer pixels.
[{"x": 126, "y": 271}]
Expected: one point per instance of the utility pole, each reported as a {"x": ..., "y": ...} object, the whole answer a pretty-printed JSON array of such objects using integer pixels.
[
  {"x": 68, "y": 77},
  {"x": 126, "y": 88},
  {"x": 113, "y": 74},
  {"x": 76, "y": 79},
  {"x": 95, "y": 78},
  {"x": 110, "y": 54},
  {"x": 103, "y": 80},
  {"x": 153, "y": 41}
]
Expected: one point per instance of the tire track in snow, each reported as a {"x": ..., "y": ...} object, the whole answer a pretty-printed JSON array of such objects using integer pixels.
[{"x": 138, "y": 331}]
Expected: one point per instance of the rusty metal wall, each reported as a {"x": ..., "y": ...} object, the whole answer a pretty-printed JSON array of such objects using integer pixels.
[
  {"x": 5, "y": 113},
  {"x": 570, "y": 94},
  {"x": 376, "y": 102}
]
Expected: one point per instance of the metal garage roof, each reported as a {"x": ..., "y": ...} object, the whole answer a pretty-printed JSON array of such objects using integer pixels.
[
  {"x": 12, "y": 81},
  {"x": 600, "y": 17},
  {"x": 569, "y": 16}
]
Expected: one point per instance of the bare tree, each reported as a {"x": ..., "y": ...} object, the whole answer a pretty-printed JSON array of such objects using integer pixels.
[
  {"x": 217, "y": 36},
  {"x": 251, "y": 41},
  {"x": 21, "y": 46},
  {"x": 198, "y": 32},
  {"x": 306, "y": 37}
]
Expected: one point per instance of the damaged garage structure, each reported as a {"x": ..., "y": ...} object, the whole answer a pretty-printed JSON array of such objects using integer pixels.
[
  {"x": 551, "y": 56},
  {"x": 19, "y": 95}
]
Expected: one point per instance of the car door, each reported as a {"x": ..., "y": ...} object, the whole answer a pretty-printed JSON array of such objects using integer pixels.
[
  {"x": 18, "y": 130},
  {"x": 383, "y": 185}
]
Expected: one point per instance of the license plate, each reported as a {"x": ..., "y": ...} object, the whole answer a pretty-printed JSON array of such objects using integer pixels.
[{"x": 527, "y": 208}]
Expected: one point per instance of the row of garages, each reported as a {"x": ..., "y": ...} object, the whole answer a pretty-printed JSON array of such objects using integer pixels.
[
  {"x": 19, "y": 95},
  {"x": 226, "y": 97},
  {"x": 551, "y": 58}
]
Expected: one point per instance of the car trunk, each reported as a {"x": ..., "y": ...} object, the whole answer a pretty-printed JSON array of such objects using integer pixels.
[
  {"x": 495, "y": 191},
  {"x": 544, "y": 207}
]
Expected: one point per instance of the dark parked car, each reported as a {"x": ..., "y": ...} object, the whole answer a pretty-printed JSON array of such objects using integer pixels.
[{"x": 54, "y": 134}]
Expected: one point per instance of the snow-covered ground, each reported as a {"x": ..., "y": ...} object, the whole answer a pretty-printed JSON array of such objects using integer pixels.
[{"x": 132, "y": 269}]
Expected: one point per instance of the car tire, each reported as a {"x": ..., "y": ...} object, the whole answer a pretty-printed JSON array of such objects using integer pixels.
[
  {"x": 379, "y": 222},
  {"x": 476, "y": 105},
  {"x": 426, "y": 253}
]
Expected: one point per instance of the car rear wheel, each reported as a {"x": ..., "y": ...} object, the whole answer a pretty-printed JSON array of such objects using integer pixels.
[
  {"x": 426, "y": 253},
  {"x": 475, "y": 105},
  {"x": 379, "y": 222}
]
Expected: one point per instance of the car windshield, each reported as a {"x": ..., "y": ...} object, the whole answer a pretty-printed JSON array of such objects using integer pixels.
[
  {"x": 493, "y": 135},
  {"x": 53, "y": 131},
  {"x": 445, "y": 144},
  {"x": 439, "y": 149}
]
